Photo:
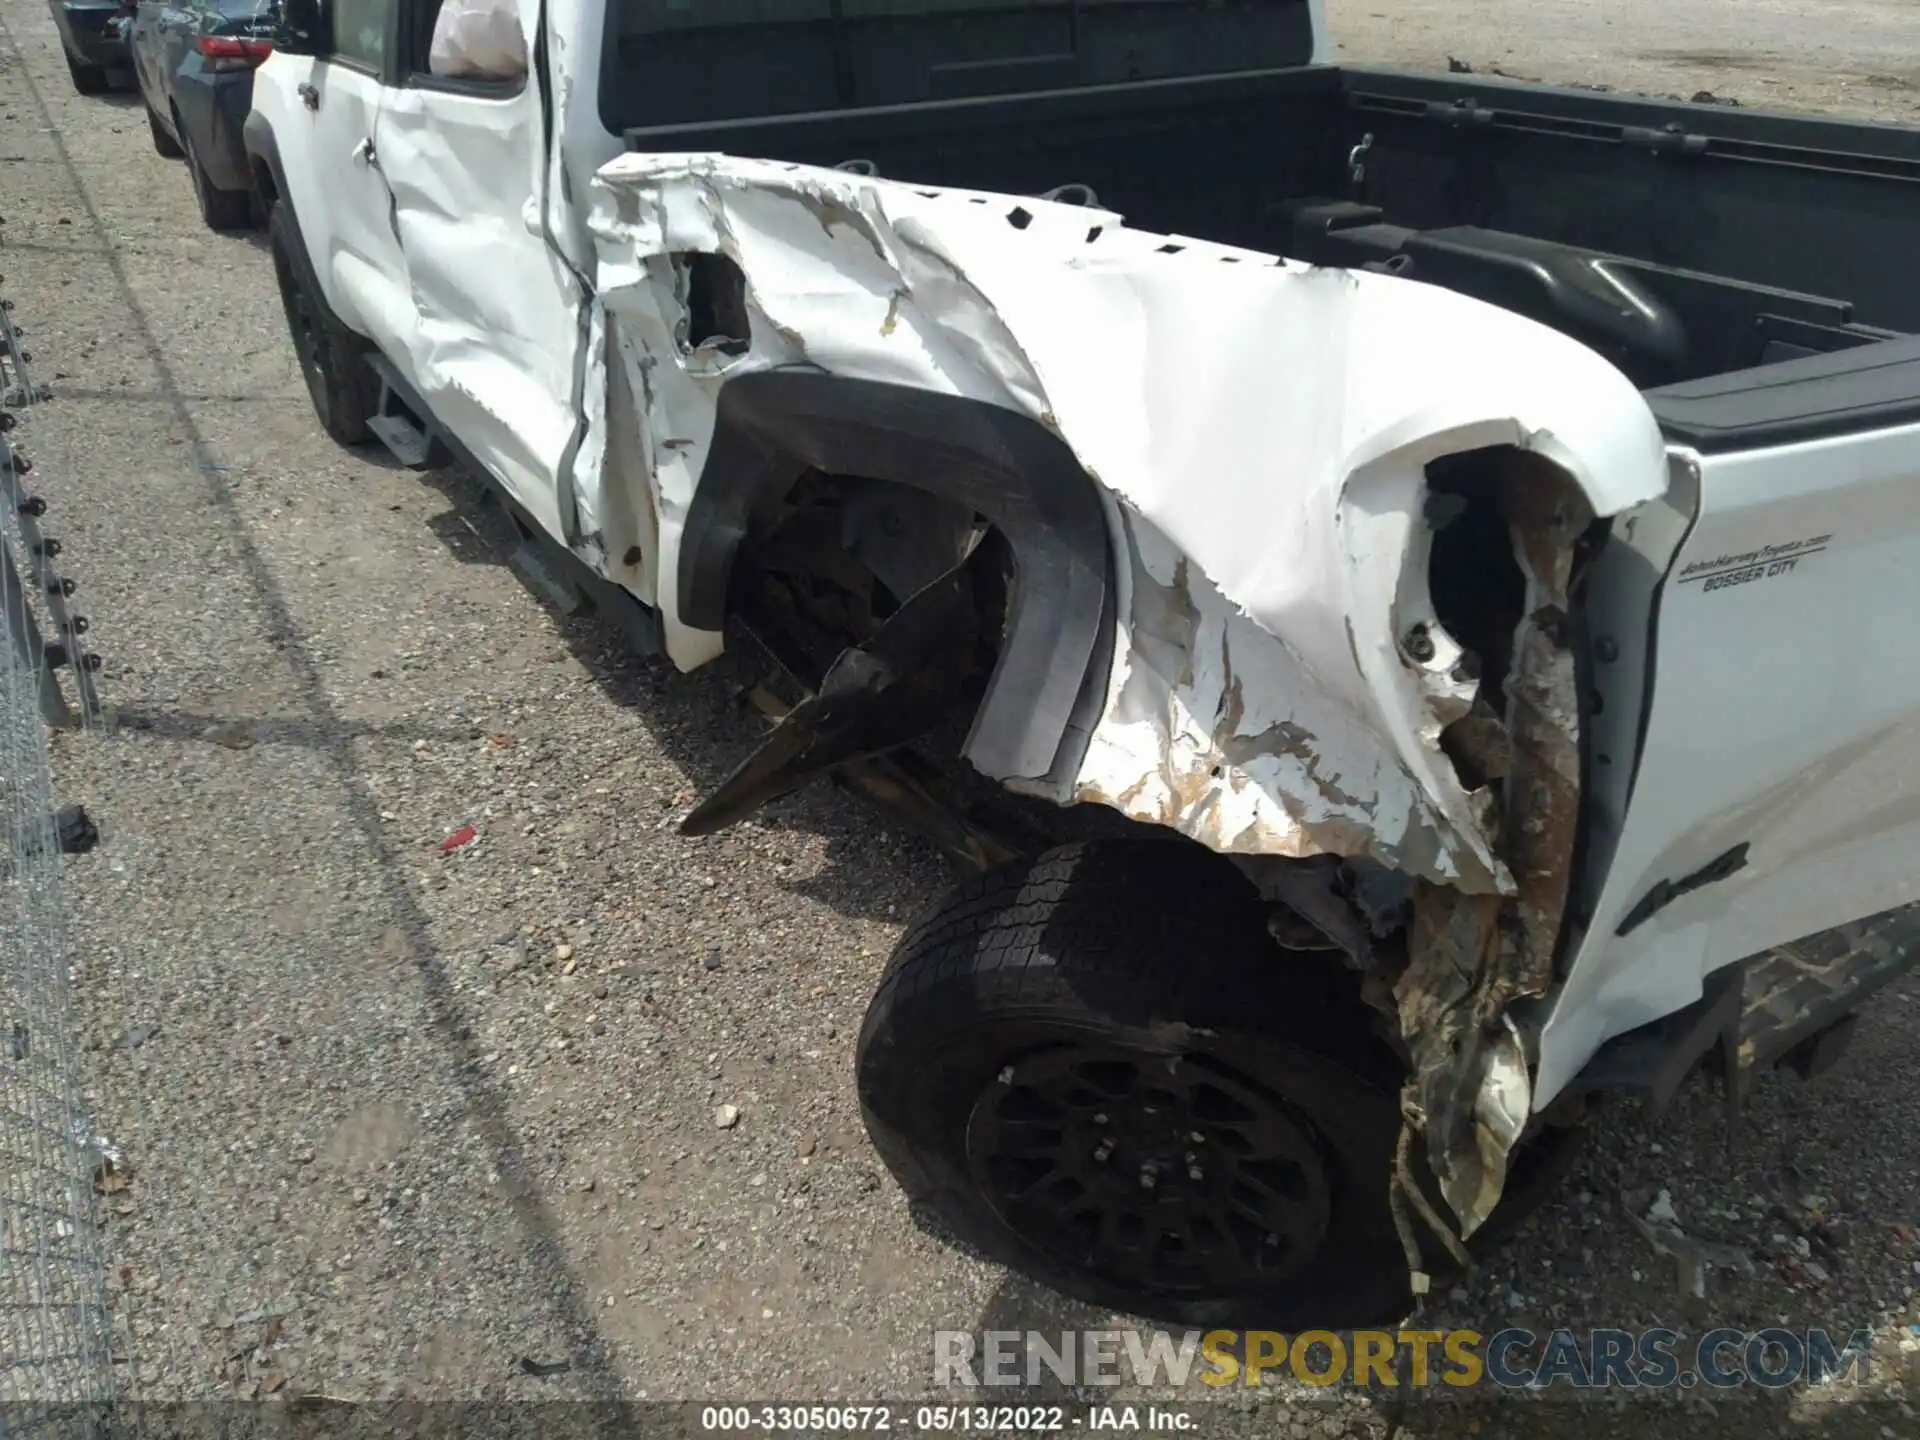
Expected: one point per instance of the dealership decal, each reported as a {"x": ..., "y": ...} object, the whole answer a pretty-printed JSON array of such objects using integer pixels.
[{"x": 1769, "y": 562}]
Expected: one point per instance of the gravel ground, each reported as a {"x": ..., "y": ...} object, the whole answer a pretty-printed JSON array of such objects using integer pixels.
[
  {"x": 1857, "y": 58},
  {"x": 398, "y": 1121}
]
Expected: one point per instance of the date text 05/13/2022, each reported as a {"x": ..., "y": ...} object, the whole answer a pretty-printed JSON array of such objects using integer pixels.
[{"x": 955, "y": 1419}]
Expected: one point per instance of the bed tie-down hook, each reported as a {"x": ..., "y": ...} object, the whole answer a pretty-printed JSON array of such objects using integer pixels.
[{"x": 1357, "y": 166}]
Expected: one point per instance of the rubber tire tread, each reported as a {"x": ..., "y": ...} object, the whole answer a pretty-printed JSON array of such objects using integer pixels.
[
  {"x": 164, "y": 145},
  {"x": 1144, "y": 942},
  {"x": 343, "y": 413}
]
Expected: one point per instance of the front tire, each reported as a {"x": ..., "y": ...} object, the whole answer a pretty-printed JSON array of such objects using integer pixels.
[
  {"x": 222, "y": 210},
  {"x": 164, "y": 144},
  {"x": 332, "y": 357},
  {"x": 1097, "y": 1068},
  {"x": 87, "y": 79}
]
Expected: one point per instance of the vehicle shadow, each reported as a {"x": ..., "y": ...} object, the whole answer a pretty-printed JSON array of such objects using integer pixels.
[{"x": 705, "y": 723}]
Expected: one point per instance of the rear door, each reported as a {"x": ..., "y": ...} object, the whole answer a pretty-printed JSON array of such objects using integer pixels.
[
  {"x": 144, "y": 44},
  {"x": 499, "y": 341},
  {"x": 174, "y": 28}
]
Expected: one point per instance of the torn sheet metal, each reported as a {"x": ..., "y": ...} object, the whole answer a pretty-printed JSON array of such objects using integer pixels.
[
  {"x": 1470, "y": 956},
  {"x": 1221, "y": 731},
  {"x": 1262, "y": 427}
]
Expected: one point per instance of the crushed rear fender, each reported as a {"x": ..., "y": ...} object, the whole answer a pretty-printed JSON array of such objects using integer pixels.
[{"x": 1260, "y": 434}]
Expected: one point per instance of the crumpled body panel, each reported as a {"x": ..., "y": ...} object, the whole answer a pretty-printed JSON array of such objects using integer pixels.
[
  {"x": 1259, "y": 428},
  {"x": 1218, "y": 729}
]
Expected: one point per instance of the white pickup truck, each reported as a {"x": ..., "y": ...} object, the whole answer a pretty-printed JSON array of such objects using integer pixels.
[{"x": 1428, "y": 562}]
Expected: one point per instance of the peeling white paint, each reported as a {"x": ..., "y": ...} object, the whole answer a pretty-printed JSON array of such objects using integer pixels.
[
  {"x": 1263, "y": 425},
  {"x": 1218, "y": 729}
]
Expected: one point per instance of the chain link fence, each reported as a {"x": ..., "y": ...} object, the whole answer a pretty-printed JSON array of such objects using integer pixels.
[{"x": 57, "y": 1374}]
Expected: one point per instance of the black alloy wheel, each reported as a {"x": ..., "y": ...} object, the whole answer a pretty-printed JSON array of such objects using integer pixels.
[{"x": 332, "y": 358}]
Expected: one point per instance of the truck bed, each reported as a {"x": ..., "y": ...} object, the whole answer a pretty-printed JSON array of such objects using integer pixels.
[{"x": 1682, "y": 241}]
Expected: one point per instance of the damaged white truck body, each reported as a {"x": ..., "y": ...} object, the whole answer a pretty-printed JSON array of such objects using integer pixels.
[{"x": 1442, "y": 663}]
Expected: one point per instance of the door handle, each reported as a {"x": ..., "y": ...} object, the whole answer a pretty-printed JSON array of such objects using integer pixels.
[
  {"x": 365, "y": 151},
  {"x": 309, "y": 96}
]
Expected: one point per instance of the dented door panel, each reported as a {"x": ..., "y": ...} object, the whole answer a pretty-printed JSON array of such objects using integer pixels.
[{"x": 497, "y": 340}]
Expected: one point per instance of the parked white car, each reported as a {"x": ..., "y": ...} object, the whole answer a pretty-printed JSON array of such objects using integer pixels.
[{"x": 1443, "y": 638}]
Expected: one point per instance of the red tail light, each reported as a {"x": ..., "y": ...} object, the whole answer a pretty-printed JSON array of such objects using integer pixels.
[{"x": 223, "y": 52}]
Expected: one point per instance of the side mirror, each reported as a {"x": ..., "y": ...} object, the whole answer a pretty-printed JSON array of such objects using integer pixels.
[{"x": 300, "y": 27}]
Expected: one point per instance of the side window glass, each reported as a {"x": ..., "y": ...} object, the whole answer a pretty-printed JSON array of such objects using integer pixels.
[{"x": 360, "y": 31}]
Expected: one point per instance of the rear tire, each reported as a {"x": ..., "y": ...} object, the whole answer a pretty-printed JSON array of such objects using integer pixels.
[
  {"x": 332, "y": 357},
  {"x": 220, "y": 209},
  {"x": 87, "y": 79},
  {"x": 1151, "y": 952},
  {"x": 1097, "y": 1068},
  {"x": 164, "y": 144}
]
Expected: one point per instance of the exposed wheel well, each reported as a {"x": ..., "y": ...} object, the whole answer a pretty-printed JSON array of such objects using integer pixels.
[
  {"x": 839, "y": 554},
  {"x": 954, "y": 466}
]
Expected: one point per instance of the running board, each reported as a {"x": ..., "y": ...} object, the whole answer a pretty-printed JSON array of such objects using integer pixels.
[
  {"x": 529, "y": 561},
  {"x": 1795, "y": 1005},
  {"x": 396, "y": 426},
  {"x": 554, "y": 574},
  {"x": 1801, "y": 999}
]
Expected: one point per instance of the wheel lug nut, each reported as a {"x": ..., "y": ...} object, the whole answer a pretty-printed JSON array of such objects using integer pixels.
[
  {"x": 1148, "y": 1179},
  {"x": 1106, "y": 1149},
  {"x": 1194, "y": 1172},
  {"x": 1100, "y": 1119},
  {"x": 1196, "y": 1137}
]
